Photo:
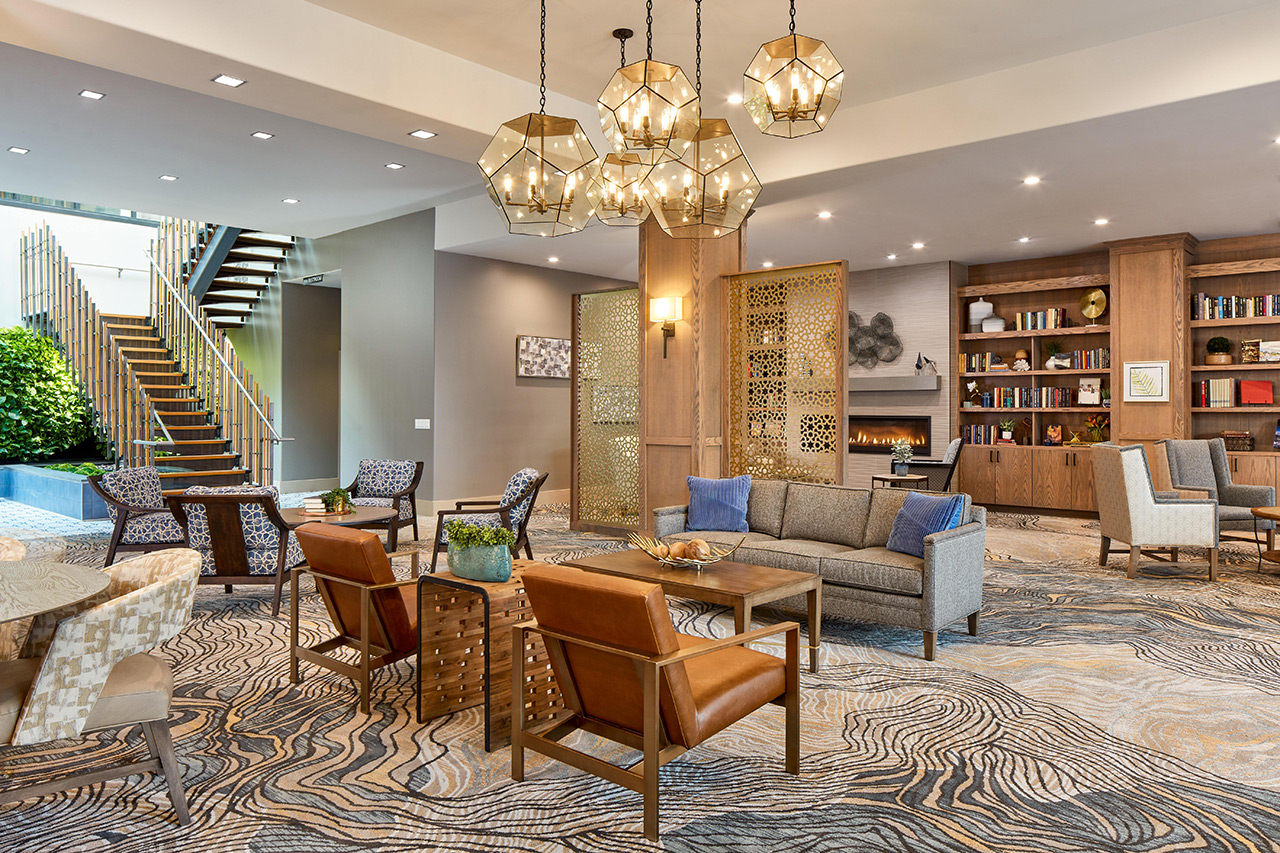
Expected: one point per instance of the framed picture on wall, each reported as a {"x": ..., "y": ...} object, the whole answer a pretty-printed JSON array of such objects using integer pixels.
[
  {"x": 542, "y": 358},
  {"x": 1146, "y": 381}
]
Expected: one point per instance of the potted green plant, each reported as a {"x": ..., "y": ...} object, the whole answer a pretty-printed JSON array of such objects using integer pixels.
[
  {"x": 1219, "y": 350},
  {"x": 1006, "y": 428},
  {"x": 478, "y": 552},
  {"x": 901, "y": 455},
  {"x": 336, "y": 500},
  {"x": 1106, "y": 398},
  {"x": 1053, "y": 360}
]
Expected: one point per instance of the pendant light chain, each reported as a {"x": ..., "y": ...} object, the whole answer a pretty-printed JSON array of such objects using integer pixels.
[
  {"x": 622, "y": 53},
  {"x": 542, "y": 88},
  {"x": 698, "y": 48},
  {"x": 648, "y": 21},
  {"x": 793, "y": 17}
]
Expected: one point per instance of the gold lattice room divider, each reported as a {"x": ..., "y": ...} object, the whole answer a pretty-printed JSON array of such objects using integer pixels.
[
  {"x": 786, "y": 375},
  {"x": 606, "y": 410}
]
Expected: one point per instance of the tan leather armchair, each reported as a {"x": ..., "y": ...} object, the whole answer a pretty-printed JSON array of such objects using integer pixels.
[
  {"x": 371, "y": 611},
  {"x": 627, "y": 675}
]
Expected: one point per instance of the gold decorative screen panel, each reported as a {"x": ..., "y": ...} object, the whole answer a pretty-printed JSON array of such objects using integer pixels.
[
  {"x": 786, "y": 373},
  {"x": 606, "y": 409}
]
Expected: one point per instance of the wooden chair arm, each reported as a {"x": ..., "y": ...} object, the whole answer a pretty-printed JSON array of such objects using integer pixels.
[
  {"x": 414, "y": 555},
  {"x": 461, "y": 504},
  {"x": 503, "y": 514},
  {"x": 674, "y": 657}
]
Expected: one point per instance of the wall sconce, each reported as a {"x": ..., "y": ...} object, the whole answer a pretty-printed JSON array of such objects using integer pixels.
[{"x": 666, "y": 311}]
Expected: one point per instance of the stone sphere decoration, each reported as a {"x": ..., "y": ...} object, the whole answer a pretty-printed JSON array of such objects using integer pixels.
[
  {"x": 650, "y": 109},
  {"x": 792, "y": 86},
  {"x": 873, "y": 343},
  {"x": 709, "y": 191},
  {"x": 537, "y": 169}
]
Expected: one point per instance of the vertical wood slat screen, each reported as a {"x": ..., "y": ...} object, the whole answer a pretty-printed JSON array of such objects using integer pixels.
[
  {"x": 54, "y": 303},
  {"x": 787, "y": 379},
  {"x": 181, "y": 320}
]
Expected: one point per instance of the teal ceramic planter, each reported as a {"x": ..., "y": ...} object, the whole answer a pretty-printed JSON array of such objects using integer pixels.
[{"x": 488, "y": 563}]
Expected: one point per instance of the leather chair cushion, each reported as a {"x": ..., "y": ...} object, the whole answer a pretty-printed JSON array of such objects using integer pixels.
[
  {"x": 137, "y": 690},
  {"x": 358, "y": 555},
  {"x": 16, "y": 677},
  {"x": 876, "y": 568},
  {"x": 729, "y": 684}
]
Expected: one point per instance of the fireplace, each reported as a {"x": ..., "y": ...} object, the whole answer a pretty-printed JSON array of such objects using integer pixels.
[{"x": 875, "y": 433}]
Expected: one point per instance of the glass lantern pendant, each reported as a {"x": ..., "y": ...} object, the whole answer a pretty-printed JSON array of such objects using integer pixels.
[
  {"x": 708, "y": 192},
  {"x": 793, "y": 85},
  {"x": 537, "y": 169},
  {"x": 616, "y": 192}
]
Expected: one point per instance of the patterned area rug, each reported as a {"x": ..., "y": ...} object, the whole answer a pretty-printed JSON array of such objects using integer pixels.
[{"x": 1093, "y": 713}]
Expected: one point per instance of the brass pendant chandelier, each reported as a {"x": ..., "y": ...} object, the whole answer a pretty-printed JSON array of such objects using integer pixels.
[
  {"x": 537, "y": 168},
  {"x": 615, "y": 191},
  {"x": 793, "y": 85},
  {"x": 711, "y": 188},
  {"x": 649, "y": 109}
]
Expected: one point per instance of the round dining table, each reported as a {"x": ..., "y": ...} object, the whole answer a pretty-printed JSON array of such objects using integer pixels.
[{"x": 31, "y": 587}]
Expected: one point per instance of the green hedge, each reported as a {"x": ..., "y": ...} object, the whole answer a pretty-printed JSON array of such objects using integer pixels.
[{"x": 41, "y": 409}]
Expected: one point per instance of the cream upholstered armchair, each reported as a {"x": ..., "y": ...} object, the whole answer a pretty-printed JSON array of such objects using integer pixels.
[
  {"x": 1202, "y": 466},
  {"x": 10, "y": 549},
  {"x": 1132, "y": 511},
  {"x": 88, "y": 670}
]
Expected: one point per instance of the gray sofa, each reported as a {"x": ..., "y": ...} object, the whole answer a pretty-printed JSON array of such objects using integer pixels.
[{"x": 840, "y": 534}]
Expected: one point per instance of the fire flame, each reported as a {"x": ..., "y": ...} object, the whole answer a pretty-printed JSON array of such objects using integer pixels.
[{"x": 864, "y": 440}]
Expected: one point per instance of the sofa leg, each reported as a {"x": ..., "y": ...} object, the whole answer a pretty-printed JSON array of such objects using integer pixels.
[
  {"x": 1173, "y": 555},
  {"x": 1135, "y": 553},
  {"x": 973, "y": 624},
  {"x": 930, "y": 644},
  {"x": 1104, "y": 550},
  {"x": 1213, "y": 564}
]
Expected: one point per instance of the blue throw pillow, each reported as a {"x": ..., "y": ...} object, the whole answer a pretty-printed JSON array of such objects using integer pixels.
[
  {"x": 718, "y": 504},
  {"x": 921, "y": 515}
]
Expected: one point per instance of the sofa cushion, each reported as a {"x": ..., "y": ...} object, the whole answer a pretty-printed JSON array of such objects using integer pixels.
[
  {"x": 765, "y": 505},
  {"x": 875, "y": 568},
  {"x": 885, "y": 504},
  {"x": 797, "y": 555},
  {"x": 921, "y": 516},
  {"x": 826, "y": 514},
  {"x": 725, "y": 538},
  {"x": 718, "y": 504}
]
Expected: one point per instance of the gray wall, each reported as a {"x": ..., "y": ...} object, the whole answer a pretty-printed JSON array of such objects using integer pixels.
[
  {"x": 310, "y": 370},
  {"x": 388, "y": 341},
  {"x": 489, "y": 424}
]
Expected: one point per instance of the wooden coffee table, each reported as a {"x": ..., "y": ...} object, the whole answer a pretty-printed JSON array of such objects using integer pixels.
[
  {"x": 740, "y": 585},
  {"x": 360, "y": 516},
  {"x": 1266, "y": 513}
]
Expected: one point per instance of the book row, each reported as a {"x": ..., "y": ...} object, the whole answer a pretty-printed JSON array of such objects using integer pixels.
[
  {"x": 1081, "y": 359},
  {"x": 1206, "y": 307}
]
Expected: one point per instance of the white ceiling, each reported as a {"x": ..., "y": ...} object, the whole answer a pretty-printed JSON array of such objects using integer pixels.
[{"x": 1157, "y": 114}]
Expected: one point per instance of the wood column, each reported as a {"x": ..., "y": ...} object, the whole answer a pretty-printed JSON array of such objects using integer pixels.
[
  {"x": 682, "y": 395},
  {"x": 1150, "y": 323}
]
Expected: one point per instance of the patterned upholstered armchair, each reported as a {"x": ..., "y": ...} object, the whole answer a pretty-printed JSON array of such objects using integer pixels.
[
  {"x": 389, "y": 483},
  {"x": 86, "y": 669},
  {"x": 239, "y": 534},
  {"x": 136, "y": 504},
  {"x": 511, "y": 511},
  {"x": 1202, "y": 467},
  {"x": 939, "y": 471},
  {"x": 1152, "y": 523}
]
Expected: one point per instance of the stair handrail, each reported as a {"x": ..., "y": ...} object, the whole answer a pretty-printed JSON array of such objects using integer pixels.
[
  {"x": 199, "y": 327},
  {"x": 55, "y": 303}
]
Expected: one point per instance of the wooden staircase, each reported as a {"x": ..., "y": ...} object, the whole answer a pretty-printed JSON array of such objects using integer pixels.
[
  {"x": 200, "y": 455},
  {"x": 241, "y": 278}
]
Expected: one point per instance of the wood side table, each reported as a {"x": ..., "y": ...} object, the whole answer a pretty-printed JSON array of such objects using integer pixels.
[
  {"x": 1266, "y": 513},
  {"x": 465, "y": 654},
  {"x": 899, "y": 480}
]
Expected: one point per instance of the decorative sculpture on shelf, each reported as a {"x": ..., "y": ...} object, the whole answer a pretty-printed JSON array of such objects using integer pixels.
[
  {"x": 873, "y": 343},
  {"x": 925, "y": 366}
]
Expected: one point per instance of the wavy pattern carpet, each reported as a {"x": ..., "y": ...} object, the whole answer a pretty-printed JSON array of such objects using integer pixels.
[{"x": 1093, "y": 713}]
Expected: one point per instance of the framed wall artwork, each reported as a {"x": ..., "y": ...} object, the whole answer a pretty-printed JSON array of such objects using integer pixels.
[
  {"x": 1146, "y": 381},
  {"x": 542, "y": 358}
]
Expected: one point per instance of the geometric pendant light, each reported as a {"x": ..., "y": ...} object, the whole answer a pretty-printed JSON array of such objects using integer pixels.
[
  {"x": 793, "y": 85},
  {"x": 537, "y": 168},
  {"x": 616, "y": 191}
]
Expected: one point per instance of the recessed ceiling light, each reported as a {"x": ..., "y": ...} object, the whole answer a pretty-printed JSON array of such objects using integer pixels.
[
  {"x": 289, "y": 200},
  {"x": 1024, "y": 239},
  {"x": 14, "y": 149},
  {"x": 394, "y": 166},
  {"x": 91, "y": 95},
  {"x": 892, "y": 257},
  {"x": 735, "y": 98},
  {"x": 1278, "y": 140},
  {"x": 826, "y": 214},
  {"x": 261, "y": 134},
  {"x": 421, "y": 134},
  {"x": 1031, "y": 180},
  {"x": 917, "y": 245},
  {"x": 1101, "y": 221},
  {"x": 228, "y": 80},
  {"x": 767, "y": 264},
  {"x": 553, "y": 260},
  {"x": 168, "y": 177}
]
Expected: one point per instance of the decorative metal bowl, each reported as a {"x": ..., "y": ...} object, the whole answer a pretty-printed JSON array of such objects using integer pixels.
[{"x": 650, "y": 546}]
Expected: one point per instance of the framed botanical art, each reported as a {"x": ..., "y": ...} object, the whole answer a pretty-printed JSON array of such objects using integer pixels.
[
  {"x": 542, "y": 358},
  {"x": 1146, "y": 381}
]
